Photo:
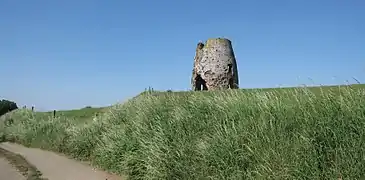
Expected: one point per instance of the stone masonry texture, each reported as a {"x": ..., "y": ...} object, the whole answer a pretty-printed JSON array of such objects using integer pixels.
[{"x": 215, "y": 66}]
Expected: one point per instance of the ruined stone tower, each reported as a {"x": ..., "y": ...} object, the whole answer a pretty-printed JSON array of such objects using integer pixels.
[{"x": 215, "y": 66}]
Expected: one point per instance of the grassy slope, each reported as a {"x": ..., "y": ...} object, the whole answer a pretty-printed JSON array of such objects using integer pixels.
[
  {"x": 91, "y": 112},
  {"x": 311, "y": 133},
  {"x": 84, "y": 113}
]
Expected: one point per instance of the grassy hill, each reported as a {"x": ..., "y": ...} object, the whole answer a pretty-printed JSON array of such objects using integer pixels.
[
  {"x": 84, "y": 113},
  {"x": 286, "y": 133},
  {"x": 90, "y": 112}
]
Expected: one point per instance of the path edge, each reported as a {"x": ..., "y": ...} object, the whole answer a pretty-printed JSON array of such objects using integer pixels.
[{"x": 28, "y": 170}]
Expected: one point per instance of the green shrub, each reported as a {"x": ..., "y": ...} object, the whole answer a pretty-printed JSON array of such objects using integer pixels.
[{"x": 7, "y": 106}]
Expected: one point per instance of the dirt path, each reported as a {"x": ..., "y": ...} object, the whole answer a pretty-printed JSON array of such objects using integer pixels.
[
  {"x": 7, "y": 171},
  {"x": 57, "y": 167}
]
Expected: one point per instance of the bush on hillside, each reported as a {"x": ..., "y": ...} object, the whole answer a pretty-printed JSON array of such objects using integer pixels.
[{"x": 7, "y": 106}]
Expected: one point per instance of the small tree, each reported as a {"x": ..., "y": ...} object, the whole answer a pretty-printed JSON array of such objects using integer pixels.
[{"x": 7, "y": 106}]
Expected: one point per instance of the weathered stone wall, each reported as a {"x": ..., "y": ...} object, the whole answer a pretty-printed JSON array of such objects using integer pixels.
[{"x": 215, "y": 66}]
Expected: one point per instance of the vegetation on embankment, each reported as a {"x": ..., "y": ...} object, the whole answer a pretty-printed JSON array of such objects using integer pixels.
[{"x": 316, "y": 133}]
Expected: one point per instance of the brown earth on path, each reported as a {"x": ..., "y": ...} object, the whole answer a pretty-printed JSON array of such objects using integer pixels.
[
  {"x": 15, "y": 167},
  {"x": 54, "y": 166},
  {"x": 8, "y": 172}
]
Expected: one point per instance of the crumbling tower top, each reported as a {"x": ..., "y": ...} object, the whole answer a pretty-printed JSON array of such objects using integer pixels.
[{"x": 215, "y": 66}]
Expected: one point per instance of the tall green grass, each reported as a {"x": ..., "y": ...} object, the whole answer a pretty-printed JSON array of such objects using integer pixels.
[{"x": 233, "y": 134}]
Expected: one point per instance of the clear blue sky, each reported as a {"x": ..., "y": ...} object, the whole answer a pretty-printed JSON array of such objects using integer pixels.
[{"x": 69, "y": 54}]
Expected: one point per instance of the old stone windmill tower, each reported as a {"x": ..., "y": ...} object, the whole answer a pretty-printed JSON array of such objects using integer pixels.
[{"x": 215, "y": 66}]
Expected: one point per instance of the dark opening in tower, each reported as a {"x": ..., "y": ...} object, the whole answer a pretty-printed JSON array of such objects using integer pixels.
[
  {"x": 200, "y": 84},
  {"x": 230, "y": 80},
  {"x": 231, "y": 83}
]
